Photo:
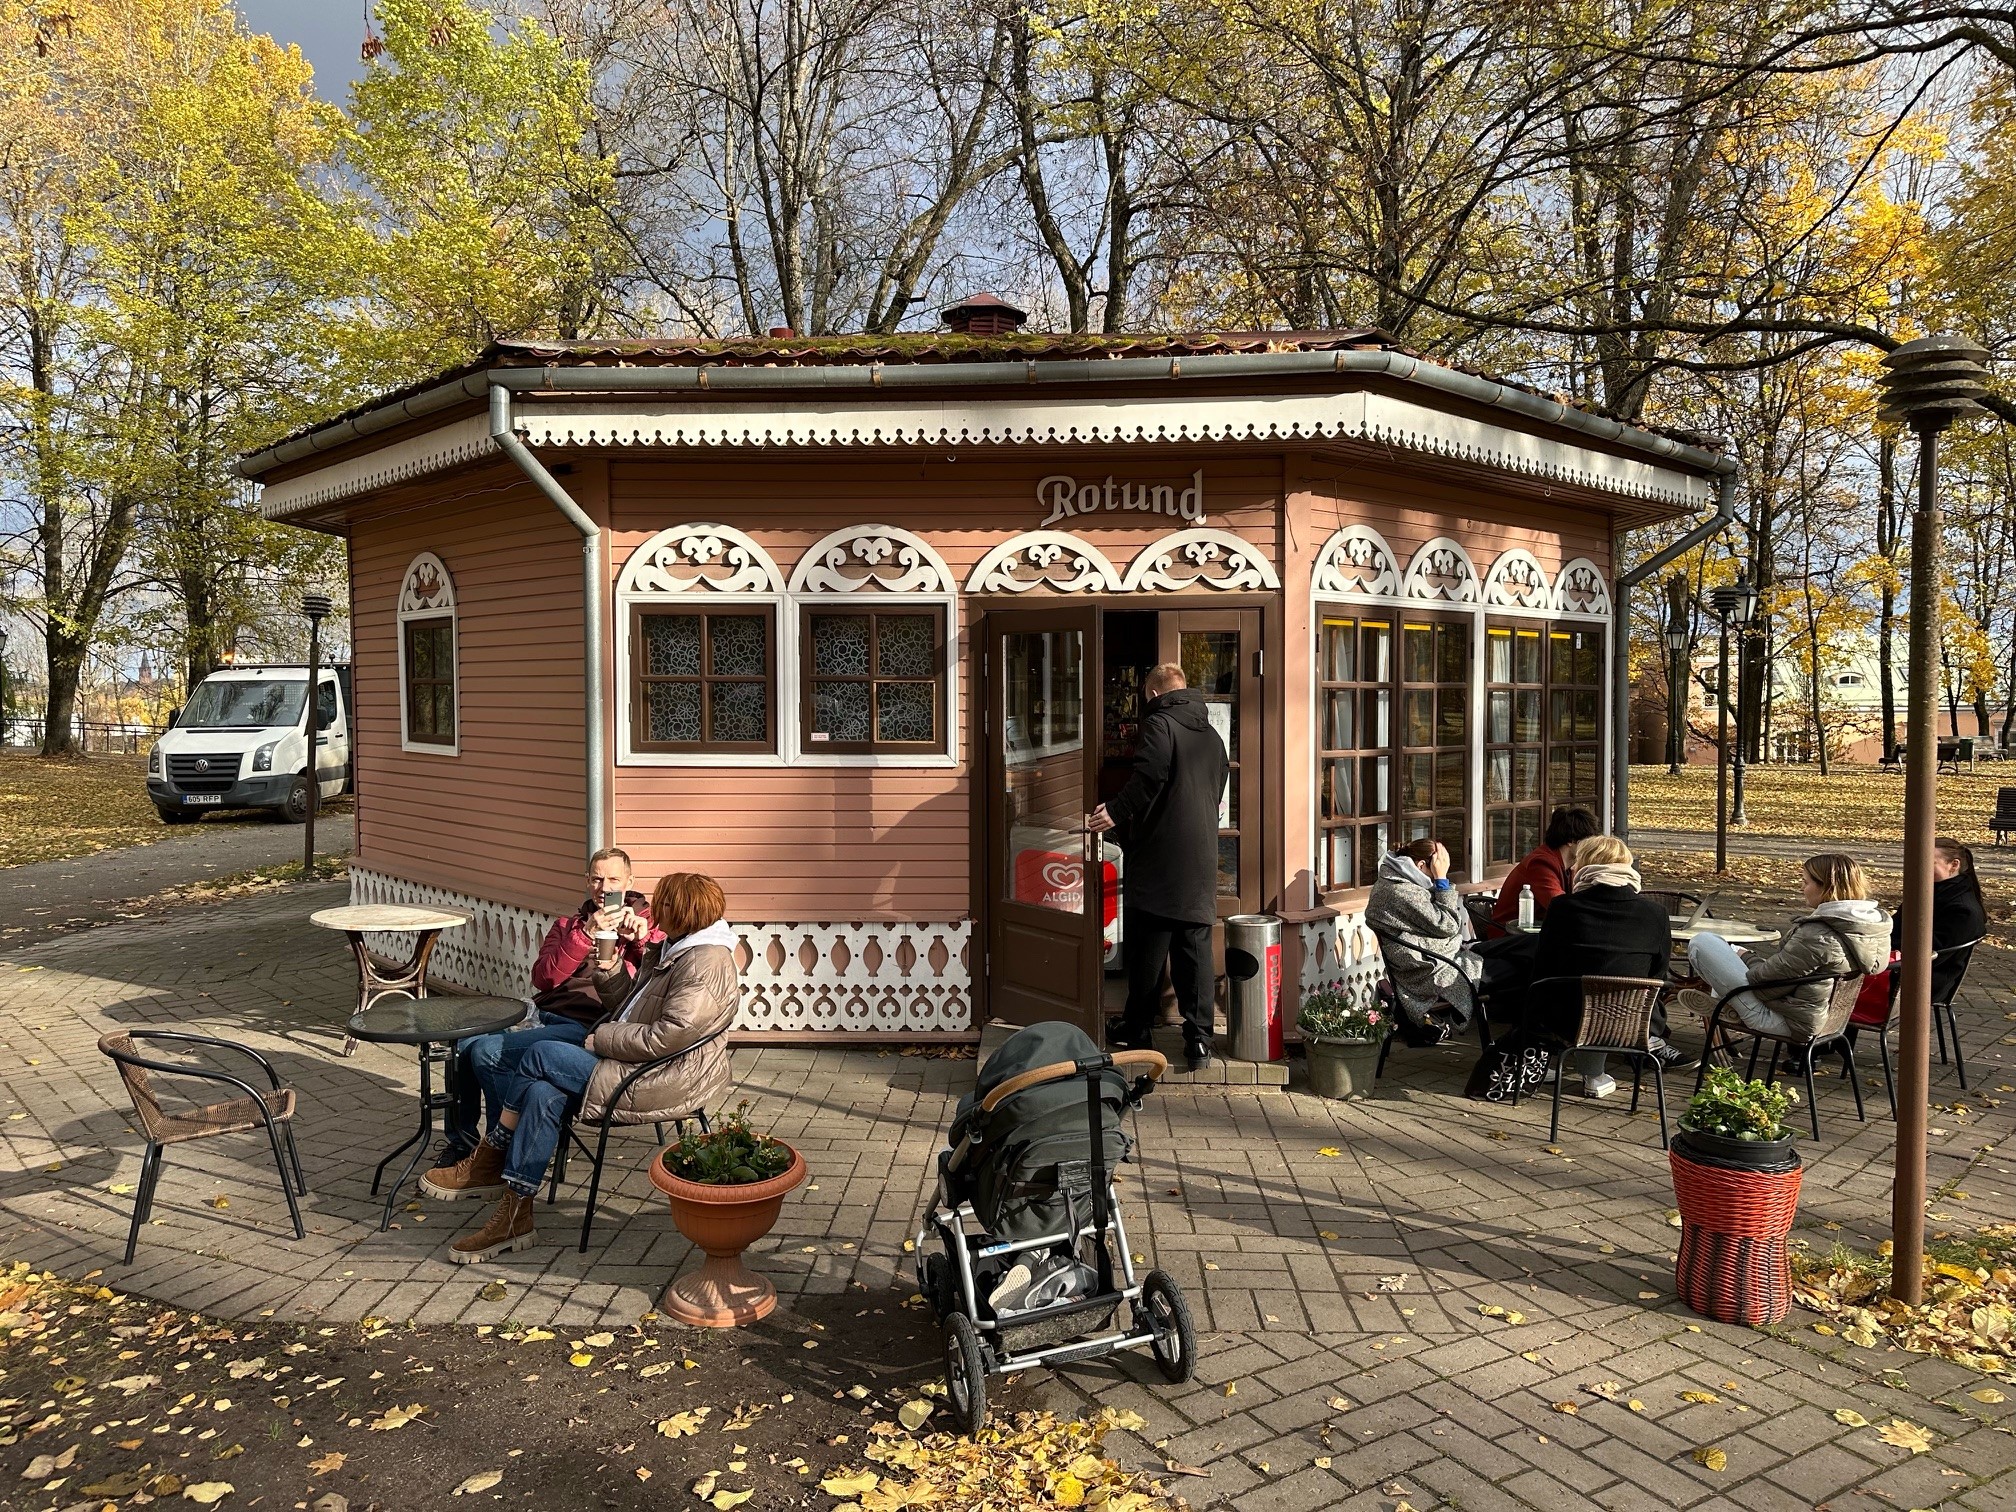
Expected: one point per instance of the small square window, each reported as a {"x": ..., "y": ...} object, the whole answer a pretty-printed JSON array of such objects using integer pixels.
[
  {"x": 874, "y": 681},
  {"x": 702, "y": 680}
]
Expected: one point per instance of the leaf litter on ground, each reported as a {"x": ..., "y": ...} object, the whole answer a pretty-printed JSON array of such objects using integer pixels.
[{"x": 1032, "y": 1460}]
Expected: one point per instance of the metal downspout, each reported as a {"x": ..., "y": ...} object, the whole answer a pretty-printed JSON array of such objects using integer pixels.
[
  {"x": 594, "y": 594},
  {"x": 1620, "y": 640}
]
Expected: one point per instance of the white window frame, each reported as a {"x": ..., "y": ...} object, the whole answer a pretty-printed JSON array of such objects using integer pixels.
[{"x": 420, "y": 605}]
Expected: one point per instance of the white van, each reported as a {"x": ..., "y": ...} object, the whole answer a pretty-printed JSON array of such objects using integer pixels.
[{"x": 240, "y": 743}]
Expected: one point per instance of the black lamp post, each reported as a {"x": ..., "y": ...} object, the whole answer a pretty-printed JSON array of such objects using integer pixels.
[
  {"x": 1745, "y": 610},
  {"x": 1679, "y": 640},
  {"x": 1732, "y": 605},
  {"x": 1931, "y": 383},
  {"x": 3, "y": 685},
  {"x": 316, "y": 606}
]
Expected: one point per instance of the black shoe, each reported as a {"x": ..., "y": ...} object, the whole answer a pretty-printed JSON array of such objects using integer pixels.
[
  {"x": 1672, "y": 1057},
  {"x": 1120, "y": 1037},
  {"x": 1197, "y": 1057}
]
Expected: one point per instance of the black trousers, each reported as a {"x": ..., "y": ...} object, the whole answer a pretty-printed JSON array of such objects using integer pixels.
[{"x": 1150, "y": 941}]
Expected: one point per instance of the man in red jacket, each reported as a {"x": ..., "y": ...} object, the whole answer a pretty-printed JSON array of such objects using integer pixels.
[{"x": 565, "y": 1006}]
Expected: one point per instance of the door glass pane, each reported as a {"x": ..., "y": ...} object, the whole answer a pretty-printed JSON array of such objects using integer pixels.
[
  {"x": 1375, "y": 786},
  {"x": 1452, "y": 653},
  {"x": 1449, "y": 780},
  {"x": 1340, "y": 731},
  {"x": 1371, "y": 846},
  {"x": 1339, "y": 790},
  {"x": 1562, "y": 660},
  {"x": 1526, "y": 715},
  {"x": 1376, "y": 643},
  {"x": 1525, "y": 776},
  {"x": 1210, "y": 660},
  {"x": 1377, "y": 726},
  {"x": 1499, "y": 658},
  {"x": 1452, "y": 717},
  {"x": 1417, "y": 778},
  {"x": 1500, "y": 842},
  {"x": 1501, "y": 717},
  {"x": 1340, "y": 651},
  {"x": 1228, "y": 864},
  {"x": 1498, "y": 777},
  {"x": 1526, "y": 659},
  {"x": 1042, "y": 723},
  {"x": 1452, "y": 828},
  {"x": 1418, "y": 654},
  {"x": 1417, "y": 711},
  {"x": 1525, "y": 831},
  {"x": 1588, "y": 657}
]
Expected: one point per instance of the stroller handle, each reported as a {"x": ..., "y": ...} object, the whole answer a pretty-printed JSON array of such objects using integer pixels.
[{"x": 1153, "y": 1062}]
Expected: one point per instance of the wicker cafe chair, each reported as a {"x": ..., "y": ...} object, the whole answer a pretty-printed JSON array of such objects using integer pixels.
[
  {"x": 1678, "y": 905},
  {"x": 1479, "y": 905},
  {"x": 1831, "y": 1038},
  {"x": 272, "y": 1109},
  {"x": 1477, "y": 1009},
  {"x": 1617, "y": 1020},
  {"x": 608, "y": 1120}
]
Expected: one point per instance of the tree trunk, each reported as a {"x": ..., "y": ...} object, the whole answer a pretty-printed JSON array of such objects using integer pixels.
[{"x": 66, "y": 668}]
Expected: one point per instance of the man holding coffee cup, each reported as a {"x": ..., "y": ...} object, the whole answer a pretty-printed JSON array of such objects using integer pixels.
[{"x": 613, "y": 922}]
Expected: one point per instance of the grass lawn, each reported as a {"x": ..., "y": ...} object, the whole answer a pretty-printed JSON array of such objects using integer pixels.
[
  {"x": 50, "y": 810},
  {"x": 1853, "y": 803}
]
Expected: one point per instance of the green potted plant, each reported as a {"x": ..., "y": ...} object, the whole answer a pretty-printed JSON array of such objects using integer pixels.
[
  {"x": 1341, "y": 1033},
  {"x": 1736, "y": 1183},
  {"x": 725, "y": 1188}
]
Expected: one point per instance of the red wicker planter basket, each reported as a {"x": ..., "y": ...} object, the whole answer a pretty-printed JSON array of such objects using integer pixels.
[{"x": 1734, "y": 1223}]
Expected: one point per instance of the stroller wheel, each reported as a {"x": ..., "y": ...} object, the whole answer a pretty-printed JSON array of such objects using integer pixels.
[
  {"x": 965, "y": 1374},
  {"x": 939, "y": 1288},
  {"x": 1167, "y": 1315}
]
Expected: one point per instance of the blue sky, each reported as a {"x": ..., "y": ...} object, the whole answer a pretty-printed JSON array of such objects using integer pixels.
[{"x": 330, "y": 32}]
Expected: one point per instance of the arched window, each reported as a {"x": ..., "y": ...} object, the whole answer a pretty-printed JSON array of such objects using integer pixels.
[{"x": 428, "y": 708}]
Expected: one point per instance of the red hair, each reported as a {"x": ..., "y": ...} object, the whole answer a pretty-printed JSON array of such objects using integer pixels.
[{"x": 684, "y": 903}]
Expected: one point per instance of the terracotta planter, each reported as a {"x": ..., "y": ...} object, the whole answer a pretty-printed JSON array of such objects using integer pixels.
[
  {"x": 723, "y": 1221},
  {"x": 1342, "y": 1069}
]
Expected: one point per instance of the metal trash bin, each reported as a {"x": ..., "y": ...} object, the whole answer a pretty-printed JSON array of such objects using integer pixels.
[{"x": 1253, "y": 971}]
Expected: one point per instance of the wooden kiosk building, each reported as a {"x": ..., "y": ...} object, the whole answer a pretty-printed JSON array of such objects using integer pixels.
[{"x": 858, "y": 627}]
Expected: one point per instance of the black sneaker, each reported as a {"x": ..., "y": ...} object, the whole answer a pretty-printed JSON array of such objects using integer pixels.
[
  {"x": 1672, "y": 1058},
  {"x": 1197, "y": 1057},
  {"x": 1118, "y": 1037}
]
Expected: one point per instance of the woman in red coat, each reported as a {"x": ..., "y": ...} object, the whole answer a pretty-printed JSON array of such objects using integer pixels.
[{"x": 1546, "y": 867}]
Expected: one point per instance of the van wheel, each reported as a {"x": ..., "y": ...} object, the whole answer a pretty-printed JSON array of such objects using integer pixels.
[
  {"x": 295, "y": 809},
  {"x": 177, "y": 816}
]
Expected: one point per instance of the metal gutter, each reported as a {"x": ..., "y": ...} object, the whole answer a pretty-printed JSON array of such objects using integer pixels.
[
  {"x": 1620, "y": 639},
  {"x": 1006, "y": 373},
  {"x": 594, "y": 611}
]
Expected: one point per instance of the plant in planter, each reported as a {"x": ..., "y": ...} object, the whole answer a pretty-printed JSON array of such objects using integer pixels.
[
  {"x": 1736, "y": 1178},
  {"x": 725, "y": 1188},
  {"x": 1341, "y": 1032}
]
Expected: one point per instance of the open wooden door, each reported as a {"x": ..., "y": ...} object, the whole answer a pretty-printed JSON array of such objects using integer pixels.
[
  {"x": 1048, "y": 901},
  {"x": 1219, "y": 651}
]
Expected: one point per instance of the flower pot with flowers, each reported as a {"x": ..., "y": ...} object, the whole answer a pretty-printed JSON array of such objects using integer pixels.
[
  {"x": 725, "y": 1187},
  {"x": 1341, "y": 1031},
  {"x": 1736, "y": 1179}
]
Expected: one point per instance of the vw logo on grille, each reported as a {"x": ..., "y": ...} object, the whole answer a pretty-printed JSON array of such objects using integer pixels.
[{"x": 202, "y": 763}]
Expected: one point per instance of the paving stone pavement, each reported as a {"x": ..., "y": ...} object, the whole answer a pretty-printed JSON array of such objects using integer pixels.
[{"x": 1356, "y": 1275}]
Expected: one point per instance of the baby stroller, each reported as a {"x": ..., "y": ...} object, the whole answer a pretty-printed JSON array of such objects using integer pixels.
[{"x": 1017, "y": 1251}]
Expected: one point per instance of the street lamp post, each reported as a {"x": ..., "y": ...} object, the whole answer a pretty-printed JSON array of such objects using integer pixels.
[
  {"x": 1929, "y": 384},
  {"x": 3, "y": 685},
  {"x": 1732, "y": 605},
  {"x": 1679, "y": 637},
  {"x": 316, "y": 606},
  {"x": 1745, "y": 610}
]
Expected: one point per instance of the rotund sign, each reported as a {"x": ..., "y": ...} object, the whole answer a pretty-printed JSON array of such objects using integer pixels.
[{"x": 1067, "y": 497}]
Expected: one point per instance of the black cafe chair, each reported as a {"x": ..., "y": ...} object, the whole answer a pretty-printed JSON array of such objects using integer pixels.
[
  {"x": 271, "y": 1109},
  {"x": 609, "y": 1119},
  {"x": 1830, "y": 1038},
  {"x": 1477, "y": 1007}
]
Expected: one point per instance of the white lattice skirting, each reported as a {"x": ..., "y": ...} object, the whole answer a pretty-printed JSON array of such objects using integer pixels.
[
  {"x": 1341, "y": 950},
  {"x": 899, "y": 977}
]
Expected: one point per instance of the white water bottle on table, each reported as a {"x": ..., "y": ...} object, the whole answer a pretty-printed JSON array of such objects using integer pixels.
[{"x": 1526, "y": 908}]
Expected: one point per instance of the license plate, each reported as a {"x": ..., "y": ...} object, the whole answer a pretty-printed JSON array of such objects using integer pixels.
[{"x": 189, "y": 799}]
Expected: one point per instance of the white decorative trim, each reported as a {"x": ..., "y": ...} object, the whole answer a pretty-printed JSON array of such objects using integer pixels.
[
  {"x": 1518, "y": 584},
  {"x": 1581, "y": 591},
  {"x": 435, "y": 451},
  {"x": 908, "y": 977},
  {"x": 1441, "y": 572},
  {"x": 1201, "y": 557},
  {"x": 891, "y": 976},
  {"x": 1029, "y": 420},
  {"x": 1341, "y": 952},
  {"x": 871, "y": 556},
  {"x": 1356, "y": 563},
  {"x": 1051, "y": 559},
  {"x": 427, "y": 592},
  {"x": 721, "y": 557}
]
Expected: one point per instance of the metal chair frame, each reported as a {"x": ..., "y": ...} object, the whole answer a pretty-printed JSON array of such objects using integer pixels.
[
  {"x": 1671, "y": 896},
  {"x": 1621, "y": 1028},
  {"x": 1944, "y": 1021},
  {"x": 284, "y": 1151},
  {"x": 1828, "y": 1040},
  {"x": 608, "y": 1121},
  {"x": 1477, "y": 1010}
]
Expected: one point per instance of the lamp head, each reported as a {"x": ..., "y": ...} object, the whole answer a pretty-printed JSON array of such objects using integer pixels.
[
  {"x": 316, "y": 606},
  {"x": 1933, "y": 381}
]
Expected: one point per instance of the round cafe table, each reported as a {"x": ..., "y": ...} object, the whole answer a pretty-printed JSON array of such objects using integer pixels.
[
  {"x": 401, "y": 980},
  {"x": 434, "y": 1025},
  {"x": 1735, "y": 931}
]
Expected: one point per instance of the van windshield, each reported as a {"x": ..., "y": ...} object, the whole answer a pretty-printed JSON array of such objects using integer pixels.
[{"x": 244, "y": 704}]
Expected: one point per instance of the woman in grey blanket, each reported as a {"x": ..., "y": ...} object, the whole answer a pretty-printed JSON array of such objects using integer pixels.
[{"x": 1419, "y": 920}]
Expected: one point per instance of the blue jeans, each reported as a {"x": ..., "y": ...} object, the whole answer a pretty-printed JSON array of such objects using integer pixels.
[
  {"x": 488, "y": 1064},
  {"x": 1715, "y": 961},
  {"x": 547, "y": 1078}
]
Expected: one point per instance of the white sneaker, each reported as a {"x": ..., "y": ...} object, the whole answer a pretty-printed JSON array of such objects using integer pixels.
[
  {"x": 1601, "y": 1085},
  {"x": 1009, "y": 1293}
]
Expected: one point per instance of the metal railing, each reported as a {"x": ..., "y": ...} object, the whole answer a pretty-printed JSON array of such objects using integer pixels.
[{"x": 94, "y": 736}]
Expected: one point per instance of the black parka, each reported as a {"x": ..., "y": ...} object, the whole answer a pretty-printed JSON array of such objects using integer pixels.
[{"x": 1166, "y": 818}]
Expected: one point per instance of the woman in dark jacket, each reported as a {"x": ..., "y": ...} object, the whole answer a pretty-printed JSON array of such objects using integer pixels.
[
  {"x": 1604, "y": 926},
  {"x": 1959, "y": 914}
]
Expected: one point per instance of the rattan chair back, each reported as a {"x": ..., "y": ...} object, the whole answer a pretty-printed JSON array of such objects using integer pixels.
[
  {"x": 139, "y": 1085},
  {"x": 1617, "y": 1013},
  {"x": 1840, "y": 1007},
  {"x": 1678, "y": 905}
]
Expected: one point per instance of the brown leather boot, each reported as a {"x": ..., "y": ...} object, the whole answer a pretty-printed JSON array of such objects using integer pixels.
[
  {"x": 479, "y": 1174},
  {"x": 509, "y": 1228}
]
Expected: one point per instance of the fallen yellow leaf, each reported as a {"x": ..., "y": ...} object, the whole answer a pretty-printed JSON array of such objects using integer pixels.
[
  {"x": 1713, "y": 1459},
  {"x": 850, "y": 1485},
  {"x": 207, "y": 1493},
  {"x": 483, "y": 1480}
]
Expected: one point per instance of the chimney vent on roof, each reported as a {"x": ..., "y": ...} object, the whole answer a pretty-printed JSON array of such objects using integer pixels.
[
  {"x": 983, "y": 315},
  {"x": 781, "y": 333}
]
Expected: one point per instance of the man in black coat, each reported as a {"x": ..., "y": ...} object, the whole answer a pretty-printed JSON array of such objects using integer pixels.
[{"x": 1166, "y": 819}]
